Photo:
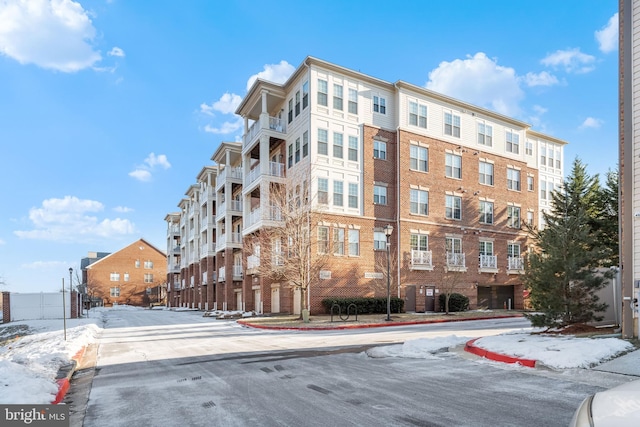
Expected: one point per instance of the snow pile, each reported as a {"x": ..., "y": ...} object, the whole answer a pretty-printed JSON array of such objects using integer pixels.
[{"x": 422, "y": 348}]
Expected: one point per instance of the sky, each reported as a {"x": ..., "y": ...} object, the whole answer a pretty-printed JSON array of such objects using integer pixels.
[
  {"x": 29, "y": 364},
  {"x": 110, "y": 108}
]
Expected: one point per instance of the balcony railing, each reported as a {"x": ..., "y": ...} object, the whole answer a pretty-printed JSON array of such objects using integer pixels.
[
  {"x": 236, "y": 237},
  {"x": 254, "y": 216},
  {"x": 488, "y": 261},
  {"x": 277, "y": 259},
  {"x": 236, "y": 205},
  {"x": 253, "y": 262},
  {"x": 515, "y": 263},
  {"x": 277, "y": 124},
  {"x": 421, "y": 258},
  {"x": 253, "y": 175},
  {"x": 230, "y": 172},
  {"x": 221, "y": 274},
  {"x": 276, "y": 169},
  {"x": 173, "y": 229},
  {"x": 455, "y": 259}
]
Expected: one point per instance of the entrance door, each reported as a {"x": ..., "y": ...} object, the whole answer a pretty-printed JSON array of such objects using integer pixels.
[
  {"x": 239, "y": 306},
  {"x": 297, "y": 309},
  {"x": 410, "y": 298},
  {"x": 275, "y": 300},
  {"x": 257, "y": 301},
  {"x": 429, "y": 298}
]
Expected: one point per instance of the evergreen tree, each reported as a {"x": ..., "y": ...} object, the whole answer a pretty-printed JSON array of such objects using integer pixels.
[
  {"x": 607, "y": 220},
  {"x": 561, "y": 275}
]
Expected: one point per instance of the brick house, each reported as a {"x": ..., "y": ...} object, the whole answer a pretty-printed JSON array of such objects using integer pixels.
[
  {"x": 134, "y": 275},
  {"x": 455, "y": 181}
]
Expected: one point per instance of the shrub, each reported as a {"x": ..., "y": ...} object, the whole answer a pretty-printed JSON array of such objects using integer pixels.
[
  {"x": 457, "y": 302},
  {"x": 364, "y": 305}
]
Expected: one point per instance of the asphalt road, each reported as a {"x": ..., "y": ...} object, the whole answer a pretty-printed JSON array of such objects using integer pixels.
[{"x": 162, "y": 368}]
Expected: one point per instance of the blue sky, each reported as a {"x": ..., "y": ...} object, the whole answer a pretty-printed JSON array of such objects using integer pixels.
[{"x": 110, "y": 108}]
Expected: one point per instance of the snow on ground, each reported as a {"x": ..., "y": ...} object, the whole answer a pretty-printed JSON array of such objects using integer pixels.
[{"x": 31, "y": 352}]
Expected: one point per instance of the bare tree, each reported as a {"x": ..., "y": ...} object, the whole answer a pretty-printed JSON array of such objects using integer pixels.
[
  {"x": 452, "y": 281},
  {"x": 294, "y": 249}
]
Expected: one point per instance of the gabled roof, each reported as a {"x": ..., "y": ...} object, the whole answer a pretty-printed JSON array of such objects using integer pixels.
[{"x": 134, "y": 243}]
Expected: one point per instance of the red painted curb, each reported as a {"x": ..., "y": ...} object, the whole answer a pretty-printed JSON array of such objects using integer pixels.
[
  {"x": 497, "y": 357},
  {"x": 248, "y": 323},
  {"x": 63, "y": 383}
]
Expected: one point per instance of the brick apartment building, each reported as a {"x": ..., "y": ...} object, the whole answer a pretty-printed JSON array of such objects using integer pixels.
[
  {"x": 134, "y": 275},
  {"x": 455, "y": 181}
]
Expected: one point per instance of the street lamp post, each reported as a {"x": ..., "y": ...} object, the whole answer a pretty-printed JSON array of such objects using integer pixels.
[
  {"x": 64, "y": 312},
  {"x": 388, "y": 229},
  {"x": 70, "y": 289}
]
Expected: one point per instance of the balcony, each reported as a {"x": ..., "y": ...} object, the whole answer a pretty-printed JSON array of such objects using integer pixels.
[
  {"x": 221, "y": 274},
  {"x": 421, "y": 260},
  {"x": 173, "y": 268},
  {"x": 275, "y": 169},
  {"x": 488, "y": 263},
  {"x": 515, "y": 265},
  {"x": 275, "y": 125},
  {"x": 207, "y": 249},
  {"x": 237, "y": 272},
  {"x": 253, "y": 262},
  {"x": 456, "y": 261},
  {"x": 173, "y": 229},
  {"x": 228, "y": 172},
  {"x": 277, "y": 259}
]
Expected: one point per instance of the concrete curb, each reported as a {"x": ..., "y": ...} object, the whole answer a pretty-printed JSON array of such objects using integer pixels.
[
  {"x": 248, "y": 323},
  {"x": 470, "y": 347},
  {"x": 64, "y": 376}
]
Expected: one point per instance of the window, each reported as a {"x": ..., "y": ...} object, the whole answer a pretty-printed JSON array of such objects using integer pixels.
[
  {"x": 290, "y": 156},
  {"x": 323, "y": 141},
  {"x": 453, "y": 208},
  {"x": 148, "y": 278},
  {"x": 550, "y": 158},
  {"x": 114, "y": 277},
  {"x": 353, "y": 195},
  {"x": 379, "y": 240},
  {"x": 530, "y": 218},
  {"x": 513, "y": 216},
  {"x": 453, "y": 245},
  {"x": 114, "y": 292},
  {"x": 353, "y": 101},
  {"x": 290, "y": 115},
  {"x": 353, "y": 148},
  {"x": 453, "y": 166},
  {"x": 337, "y": 193},
  {"x": 379, "y": 150},
  {"x": 558, "y": 162},
  {"x": 528, "y": 148},
  {"x": 486, "y": 173},
  {"x": 419, "y": 242},
  {"x": 485, "y": 134},
  {"x": 379, "y": 195},
  {"x": 486, "y": 212},
  {"x": 297, "y": 103},
  {"x": 419, "y": 202},
  {"x": 543, "y": 156},
  {"x": 513, "y": 179},
  {"x": 543, "y": 190},
  {"x": 305, "y": 144},
  {"x": 148, "y": 265},
  {"x": 417, "y": 114},
  {"x": 323, "y": 191},
  {"x": 513, "y": 142},
  {"x": 323, "y": 240},
  {"x": 137, "y": 263},
  {"x": 126, "y": 277},
  {"x": 529, "y": 183},
  {"x": 419, "y": 158},
  {"x": 297, "y": 150},
  {"x": 379, "y": 104},
  {"x": 322, "y": 92},
  {"x": 337, "y": 145},
  {"x": 305, "y": 95},
  {"x": 354, "y": 242},
  {"x": 486, "y": 248},
  {"x": 513, "y": 250},
  {"x": 338, "y": 241},
  {"x": 337, "y": 97},
  {"x": 452, "y": 124}
]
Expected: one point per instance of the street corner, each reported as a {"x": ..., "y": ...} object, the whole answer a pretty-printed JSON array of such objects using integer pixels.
[{"x": 63, "y": 379}]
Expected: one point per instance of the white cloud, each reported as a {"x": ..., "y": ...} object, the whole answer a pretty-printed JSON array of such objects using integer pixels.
[
  {"x": 116, "y": 51},
  {"x": 70, "y": 220},
  {"x": 539, "y": 109},
  {"x": 607, "y": 37},
  {"x": 122, "y": 209},
  {"x": 591, "y": 123},
  {"x": 571, "y": 60},
  {"x": 227, "y": 104},
  {"x": 52, "y": 34},
  {"x": 540, "y": 79},
  {"x": 45, "y": 265},
  {"x": 144, "y": 172},
  {"x": 276, "y": 73},
  {"x": 141, "y": 175},
  {"x": 161, "y": 159},
  {"x": 479, "y": 80},
  {"x": 2, "y": 242},
  {"x": 226, "y": 128}
]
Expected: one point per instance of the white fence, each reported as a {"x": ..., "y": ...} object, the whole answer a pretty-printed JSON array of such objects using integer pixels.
[{"x": 38, "y": 306}]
